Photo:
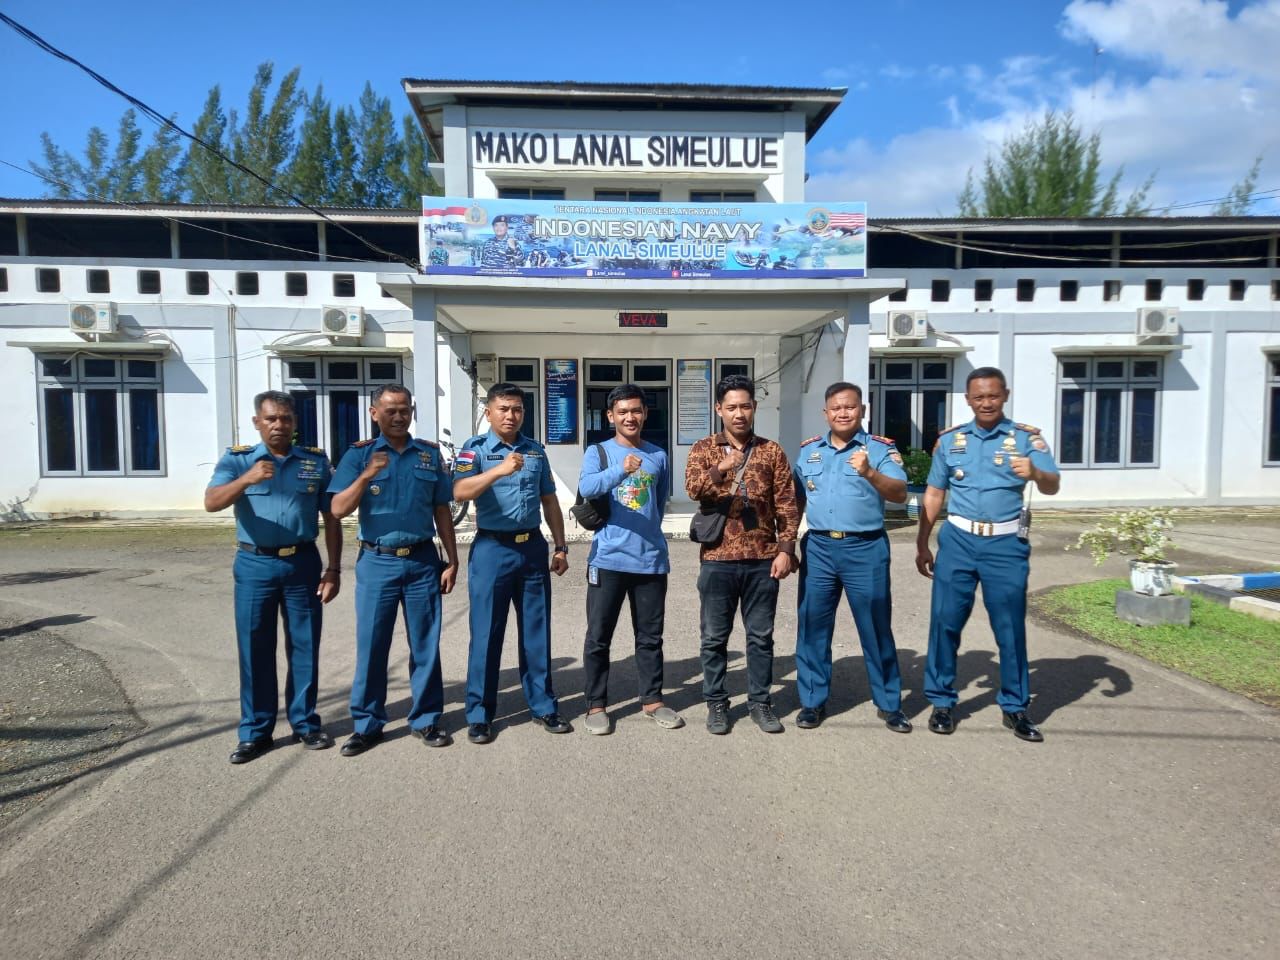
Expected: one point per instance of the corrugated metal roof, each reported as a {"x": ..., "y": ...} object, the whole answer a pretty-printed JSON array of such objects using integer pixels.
[
  {"x": 716, "y": 90},
  {"x": 205, "y": 210}
]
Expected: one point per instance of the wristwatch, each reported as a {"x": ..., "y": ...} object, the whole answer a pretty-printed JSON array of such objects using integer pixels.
[{"x": 562, "y": 548}]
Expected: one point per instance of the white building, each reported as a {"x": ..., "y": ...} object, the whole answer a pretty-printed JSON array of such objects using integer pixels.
[{"x": 1148, "y": 350}]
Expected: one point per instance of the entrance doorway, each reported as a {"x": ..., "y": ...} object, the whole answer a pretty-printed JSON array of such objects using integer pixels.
[{"x": 652, "y": 376}]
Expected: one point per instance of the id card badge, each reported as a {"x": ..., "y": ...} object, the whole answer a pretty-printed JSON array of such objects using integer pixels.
[
  {"x": 1024, "y": 522},
  {"x": 593, "y": 576}
]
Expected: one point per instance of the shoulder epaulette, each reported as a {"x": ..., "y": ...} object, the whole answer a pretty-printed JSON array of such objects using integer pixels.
[
  {"x": 363, "y": 443},
  {"x": 1027, "y": 427},
  {"x": 811, "y": 440},
  {"x": 950, "y": 429},
  {"x": 241, "y": 448},
  {"x": 887, "y": 441},
  {"x": 319, "y": 450},
  {"x": 429, "y": 443}
]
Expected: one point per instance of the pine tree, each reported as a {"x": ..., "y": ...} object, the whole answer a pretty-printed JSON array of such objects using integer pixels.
[
  {"x": 265, "y": 142},
  {"x": 207, "y": 178},
  {"x": 1050, "y": 169},
  {"x": 161, "y": 170},
  {"x": 379, "y": 149},
  {"x": 1240, "y": 198},
  {"x": 123, "y": 174},
  {"x": 412, "y": 178},
  {"x": 311, "y": 173},
  {"x": 345, "y": 159}
]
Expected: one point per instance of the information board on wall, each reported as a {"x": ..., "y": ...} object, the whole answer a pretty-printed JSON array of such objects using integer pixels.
[
  {"x": 693, "y": 401},
  {"x": 599, "y": 239},
  {"x": 562, "y": 401}
]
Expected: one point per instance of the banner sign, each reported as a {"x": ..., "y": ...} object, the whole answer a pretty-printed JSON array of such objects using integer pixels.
[
  {"x": 608, "y": 240},
  {"x": 562, "y": 401},
  {"x": 693, "y": 400}
]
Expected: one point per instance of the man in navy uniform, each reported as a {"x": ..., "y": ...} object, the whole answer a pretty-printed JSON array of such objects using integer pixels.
[
  {"x": 401, "y": 487},
  {"x": 278, "y": 490},
  {"x": 508, "y": 477},
  {"x": 501, "y": 250},
  {"x": 842, "y": 482},
  {"x": 985, "y": 463}
]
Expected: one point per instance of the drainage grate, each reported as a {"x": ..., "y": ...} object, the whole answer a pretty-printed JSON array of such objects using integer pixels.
[{"x": 1272, "y": 594}]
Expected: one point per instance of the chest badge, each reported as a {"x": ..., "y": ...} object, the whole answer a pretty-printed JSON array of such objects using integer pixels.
[
  {"x": 425, "y": 457},
  {"x": 999, "y": 460},
  {"x": 311, "y": 488},
  {"x": 959, "y": 474},
  {"x": 1010, "y": 443},
  {"x": 961, "y": 439},
  {"x": 814, "y": 457},
  {"x": 811, "y": 485},
  {"x": 375, "y": 488}
]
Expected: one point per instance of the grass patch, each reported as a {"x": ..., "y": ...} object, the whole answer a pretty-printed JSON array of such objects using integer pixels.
[{"x": 1233, "y": 650}]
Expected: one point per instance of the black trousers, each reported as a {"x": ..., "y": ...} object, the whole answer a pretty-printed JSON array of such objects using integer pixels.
[
  {"x": 647, "y": 593},
  {"x": 726, "y": 586}
]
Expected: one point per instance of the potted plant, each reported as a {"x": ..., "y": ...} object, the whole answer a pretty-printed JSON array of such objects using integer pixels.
[
  {"x": 1142, "y": 534},
  {"x": 916, "y": 463}
]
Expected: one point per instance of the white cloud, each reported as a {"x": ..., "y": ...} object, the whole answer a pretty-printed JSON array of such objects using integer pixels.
[{"x": 1209, "y": 104}]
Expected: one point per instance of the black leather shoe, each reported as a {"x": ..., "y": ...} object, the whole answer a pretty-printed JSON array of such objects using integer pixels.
[
  {"x": 1022, "y": 727},
  {"x": 940, "y": 721},
  {"x": 358, "y": 743},
  {"x": 434, "y": 736},
  {"x": 313, "y": 740},
  {"x": 554, "y": 723},
  {"x": 810, "y": 718},
  {"x": 895, "y": 720},
  {"x": 480, "y": 733},
  {"x": 247, "y": 750}
]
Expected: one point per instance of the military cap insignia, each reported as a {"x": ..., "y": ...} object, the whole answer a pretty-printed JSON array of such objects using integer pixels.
[{"x": 241, "y": 448}]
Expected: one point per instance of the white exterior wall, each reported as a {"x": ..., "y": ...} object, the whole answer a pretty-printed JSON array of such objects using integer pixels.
[{"x": 1242, "y": 472}]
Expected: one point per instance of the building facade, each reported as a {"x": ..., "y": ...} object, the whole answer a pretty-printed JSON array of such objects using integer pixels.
[{"x": 134, "y": 337}]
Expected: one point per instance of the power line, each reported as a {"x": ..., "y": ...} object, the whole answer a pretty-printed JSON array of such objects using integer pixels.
[{"x": 161, "y": 119}]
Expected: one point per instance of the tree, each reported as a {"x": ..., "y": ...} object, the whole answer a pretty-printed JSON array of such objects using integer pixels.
[
  {"x": 1240, "y": 198},
  {"x": 345, "y": 159},
  {"x": 265, "y": 142},
  {"x": 379, "y": 148},
  {"x": 413, "y": 180},
  {"x": 207, "y": 177},
  {"x": 311, "y": 172},
  {"x": 1050, "y": 169}
]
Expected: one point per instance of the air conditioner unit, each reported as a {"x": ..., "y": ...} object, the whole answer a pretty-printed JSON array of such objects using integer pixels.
[
  {"x": 92, "y": 317},
  {"x": 1157, "y": 322},
  {"x": 908, "y": 326},
  {"x": 342, "y": 321}
]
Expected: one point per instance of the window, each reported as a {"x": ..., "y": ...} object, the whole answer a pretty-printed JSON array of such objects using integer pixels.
[
  {"x": 1273, "y": 410},
  {"x": 1154, "y": 289},
  {"x": 1275, "y": 288},
  {"x": 629, "y": 196},
  {"x": 1109, "y": 411},
  {"x": 100, "y": 416},
  {"x": 1195, "y": 289},
  {"x": 722, "y": 196},
  {"x": 1111, "y": 290},
  {"x": 909, "y": 398},
  {"x": 731, "y": 368},
  {"x": 4, "y": 279},
  {"x": 331, "y": 398},
  {"x": 198, "y": 283},
  {"x": 1069, "y": 290},
  {"x": 529, "y": 193},
  {"x": 1026, "y": 290},
  {"x": 1236, "y": 289},
  {"x": 940, "y": 291},
  {"x": 898, "y": 296},
  {"x": 48, "y": 280},
  {"x": 148, "y": 281},
  {"x": 983, "y": 289},
  {"x": 247, "y": 284},
  {"x": 524, "y": 374},
  {"x": 97, "y": 281},
  {"x": 295, "y": 284},
  {"x": 344, "y": 284}
]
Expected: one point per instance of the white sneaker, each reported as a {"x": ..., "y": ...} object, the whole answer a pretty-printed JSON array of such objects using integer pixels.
[
  {"x": 599, "y": 723},
  {"x": 665, "y": 717}
]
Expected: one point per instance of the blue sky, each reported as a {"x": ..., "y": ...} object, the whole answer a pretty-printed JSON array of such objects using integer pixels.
[{"x": 1186, "y": 89}]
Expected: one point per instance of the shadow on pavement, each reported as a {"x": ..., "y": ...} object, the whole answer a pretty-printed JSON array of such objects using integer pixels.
[
  {"x": 41, "y": 576},
  {"x": 31, "y": 626}
]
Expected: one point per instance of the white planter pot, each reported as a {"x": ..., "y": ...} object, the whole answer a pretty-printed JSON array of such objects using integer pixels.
[{"x": 1153, "y": 579}]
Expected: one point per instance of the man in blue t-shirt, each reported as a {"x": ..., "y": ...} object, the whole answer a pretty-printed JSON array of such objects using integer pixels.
[{"x": 628, "y": 559}]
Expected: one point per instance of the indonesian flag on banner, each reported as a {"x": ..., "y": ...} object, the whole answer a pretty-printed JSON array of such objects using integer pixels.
[{"x": 444, "y": 214}]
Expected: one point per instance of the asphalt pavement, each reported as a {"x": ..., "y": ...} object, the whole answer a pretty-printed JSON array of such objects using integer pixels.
[{"x": 1145, "y": 825}]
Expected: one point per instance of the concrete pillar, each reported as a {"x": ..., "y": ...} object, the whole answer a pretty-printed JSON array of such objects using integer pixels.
[
  {"x": 857, "y": 341},
  {"x": 425, "y": 385},
  {"x": 457, "y": 166},
  {"x": 793, "y": 148}
]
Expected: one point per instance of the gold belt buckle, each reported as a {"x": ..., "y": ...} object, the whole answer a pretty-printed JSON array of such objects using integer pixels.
[
  {"x": 836, "y": 534},
  {"x": 521, "y": 537},
  {"x": 403, "y": 551},
  {"x": 287, "y": 551}
]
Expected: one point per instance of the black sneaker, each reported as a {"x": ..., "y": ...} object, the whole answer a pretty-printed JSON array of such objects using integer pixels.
[
  {"x": 765, "y": 718},
  {"x": 479, "y": 733},
  {"x": 810, "y": 718},
  {"x": 718, "y": 717}
]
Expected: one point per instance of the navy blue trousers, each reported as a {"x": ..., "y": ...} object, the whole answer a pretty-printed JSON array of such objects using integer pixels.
[
  {"x": 860, "y": 569},
  {"x": 1001, "y": 565},
  {"x": 267, "y": 588},
  {"x": 500, "y": 575},
  {"x": 385, "y": 584}
]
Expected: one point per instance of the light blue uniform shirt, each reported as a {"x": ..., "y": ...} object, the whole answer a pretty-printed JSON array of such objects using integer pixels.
[
  {"x": 513, "y": 502},
  {"x": 398, "y": 505},
  {"x": 284, "y": 510},
  {"x": 976, "y": 466},
  {"x": 835, "y": 497},
  {"x": 632, "y": 540}
]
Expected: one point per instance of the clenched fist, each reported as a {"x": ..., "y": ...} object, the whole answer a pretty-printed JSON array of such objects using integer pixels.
[
  {"x": 377, "y": 463},
  {"x": 731, "y": 462},
  {"x": 860, "y": 463},
  {"x": 1022, "y": 467},
  {"x": 631, "y": 464},
  {"x": 513, "y": 463},
  {"x": 261, "y": 470}
]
